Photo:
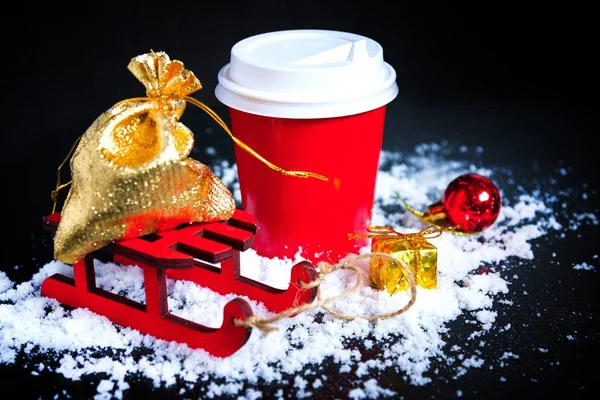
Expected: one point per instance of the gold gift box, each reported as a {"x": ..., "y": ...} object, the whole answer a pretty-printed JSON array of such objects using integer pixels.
[{"x": 421, "y": 258}]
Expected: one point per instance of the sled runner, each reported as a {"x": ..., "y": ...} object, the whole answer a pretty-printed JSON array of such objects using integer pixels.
[{"x": 207, "y": 254}]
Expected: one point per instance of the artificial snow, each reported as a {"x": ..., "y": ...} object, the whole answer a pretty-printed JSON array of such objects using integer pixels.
[
  {"x": 584, "y": 267},
  {"x": 31, "y": 325},
  {"x": 5, "y": 283}
]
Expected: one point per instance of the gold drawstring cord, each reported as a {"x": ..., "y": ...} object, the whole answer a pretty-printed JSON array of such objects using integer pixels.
[
  {"x": 222, "y": 124},
  {"x": 218, "y": 120},
  {"x": 59, "y": 186}
]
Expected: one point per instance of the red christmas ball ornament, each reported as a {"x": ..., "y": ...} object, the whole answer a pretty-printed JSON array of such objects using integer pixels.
[{"x": 470, "y": 203}]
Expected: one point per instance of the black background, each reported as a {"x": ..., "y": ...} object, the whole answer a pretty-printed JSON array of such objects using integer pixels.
[{"x": 519, "y": 80}]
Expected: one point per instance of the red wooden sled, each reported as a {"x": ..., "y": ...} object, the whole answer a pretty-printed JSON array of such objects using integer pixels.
[{"x": 190, "y": 252}]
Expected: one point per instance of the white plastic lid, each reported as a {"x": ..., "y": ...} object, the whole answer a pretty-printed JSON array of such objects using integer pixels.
[{"x": 306, "y": 74}]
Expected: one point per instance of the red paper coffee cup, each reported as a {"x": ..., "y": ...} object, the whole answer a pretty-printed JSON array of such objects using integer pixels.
[{"x": 310, "y": 100}]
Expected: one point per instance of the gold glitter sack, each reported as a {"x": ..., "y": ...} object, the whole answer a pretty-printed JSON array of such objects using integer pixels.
[{"x": 131, "y": 174}]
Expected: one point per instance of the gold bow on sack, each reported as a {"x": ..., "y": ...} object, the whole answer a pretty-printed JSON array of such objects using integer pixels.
[{"x": 131, "y": 174}]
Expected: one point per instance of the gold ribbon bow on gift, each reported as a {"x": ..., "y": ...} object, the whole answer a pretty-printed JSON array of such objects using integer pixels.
[
  {"x": 387, "y": 233},
  {"x": 413, "y": 249}
]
